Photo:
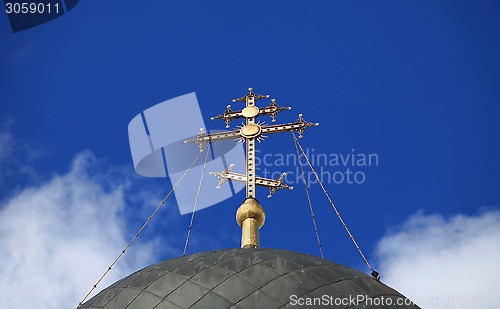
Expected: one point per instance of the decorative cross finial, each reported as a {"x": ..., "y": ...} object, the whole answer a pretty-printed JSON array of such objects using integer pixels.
[{"x": 249, "y": 133}]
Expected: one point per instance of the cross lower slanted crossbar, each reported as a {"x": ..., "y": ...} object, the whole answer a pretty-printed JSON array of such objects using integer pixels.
[{"x": 274, "y": 185}]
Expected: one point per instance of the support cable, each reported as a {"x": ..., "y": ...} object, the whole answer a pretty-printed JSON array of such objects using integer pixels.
[
  {"x": 309, "y": 201},
  {"x": 195, "y": 203},
  {"x": 374, "y": 273},
  {"x": 142, "y": 228}
]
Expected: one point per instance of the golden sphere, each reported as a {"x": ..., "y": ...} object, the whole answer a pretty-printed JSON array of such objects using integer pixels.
[{"x": 251, "y": 209}]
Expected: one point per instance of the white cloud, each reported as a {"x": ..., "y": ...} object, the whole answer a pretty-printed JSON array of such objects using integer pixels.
[
  {"x": 445, "y": 263},
  {"x": 56, "y": 239},
  {"x": 16, "y": 157}
]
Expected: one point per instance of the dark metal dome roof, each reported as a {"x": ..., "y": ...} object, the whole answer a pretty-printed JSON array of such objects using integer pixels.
[{"x": 243, "y": 278}]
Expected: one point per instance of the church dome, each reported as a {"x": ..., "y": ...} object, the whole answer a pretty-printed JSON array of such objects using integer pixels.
[{"x": 248, "y": 278}]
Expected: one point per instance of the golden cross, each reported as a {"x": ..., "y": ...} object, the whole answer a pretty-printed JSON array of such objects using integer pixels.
[{"x": 250, "y": 133}]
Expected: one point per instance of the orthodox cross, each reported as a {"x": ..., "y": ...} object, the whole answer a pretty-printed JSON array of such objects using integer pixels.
[{"x": 250, "y": 133}]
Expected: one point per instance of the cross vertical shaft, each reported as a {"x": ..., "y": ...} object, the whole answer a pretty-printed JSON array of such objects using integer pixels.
[{"x": 250, "y": 148}]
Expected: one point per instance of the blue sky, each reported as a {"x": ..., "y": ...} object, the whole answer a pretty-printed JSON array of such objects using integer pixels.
[{"x": 415, "y": 83}]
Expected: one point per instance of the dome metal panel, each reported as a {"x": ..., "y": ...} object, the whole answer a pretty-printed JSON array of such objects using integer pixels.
[{"x": 239, "y": 278}]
